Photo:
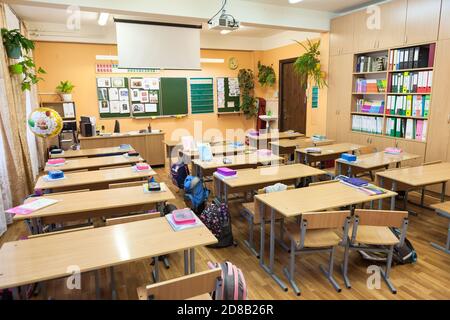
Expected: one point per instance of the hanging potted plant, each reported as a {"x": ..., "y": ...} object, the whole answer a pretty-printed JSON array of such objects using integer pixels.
[
  {"x": 308, "y": 65},
  {"x": 65, "y": 89},
  {"x": 14, "y": 42},
  {"x": 247, "y": 84},
  {"x": 27, "y": 69},
  {"x": 266, "y": 75}
]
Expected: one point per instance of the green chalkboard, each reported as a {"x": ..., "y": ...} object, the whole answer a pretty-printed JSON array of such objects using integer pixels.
[{"x": 174, "y": 96}]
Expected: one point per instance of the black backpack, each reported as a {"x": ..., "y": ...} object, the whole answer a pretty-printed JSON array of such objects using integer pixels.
[
  {"x": 217, "y": 219},
  {"x": 178, "y": 172}
]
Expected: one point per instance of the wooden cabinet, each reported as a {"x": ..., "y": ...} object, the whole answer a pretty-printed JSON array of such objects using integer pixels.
[
  {"x": 341, "y": 35},
  {"x": 339, "y": 97},
  {"x": 422, "y": 22},
  {"x": 370, "y": 35},
  {"x": 444, "y": 28}
]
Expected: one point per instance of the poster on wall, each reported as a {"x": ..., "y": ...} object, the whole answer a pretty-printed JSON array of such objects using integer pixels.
[
  {"x": 220, "y": 92},
  {"x": 124, "y": 107},
  {"x": 113, "y": 97},
  {"x": 144, "y": 96}
]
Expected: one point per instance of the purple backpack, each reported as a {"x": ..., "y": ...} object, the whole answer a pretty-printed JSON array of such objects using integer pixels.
[
  {"x": 232, "y": 285},
  {"x": 178, "y": 172},
  {"x": 216, "y": 217}
]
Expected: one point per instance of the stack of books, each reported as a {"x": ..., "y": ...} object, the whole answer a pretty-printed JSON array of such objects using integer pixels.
[
  {"x": 225, "y": 173},
  {"x": 370, "y": 85},
  {"x": 183, "y": 219},
  {"x": 370, "y": 106}
]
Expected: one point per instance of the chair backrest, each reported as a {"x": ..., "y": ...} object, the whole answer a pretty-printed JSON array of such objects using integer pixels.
[
  {"x": 132, "y": 218},
  {"x": 182, "y": 288},
  {"x": 366, "y": 150},
  {"x": 64, "y": 192},
  {"x": 126, "y": 184},
  {"x": 381, "y": 218},
  {"x": 432, "y": 162},
  {"x": 313, "y": 184},
  {"x": 41, "y": 235},
  {"x": 326, "y": 219}
]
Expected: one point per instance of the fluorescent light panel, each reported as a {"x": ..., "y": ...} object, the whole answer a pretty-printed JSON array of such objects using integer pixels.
[
  {"x": 116, "y": 58},
  {"x": 103, "y": 18}
]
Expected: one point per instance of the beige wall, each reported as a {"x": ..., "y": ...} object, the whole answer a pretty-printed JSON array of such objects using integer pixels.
[{"x": 76, "y": 62}]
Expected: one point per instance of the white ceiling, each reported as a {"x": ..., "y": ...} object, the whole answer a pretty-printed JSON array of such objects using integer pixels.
[{"x": 335, "y": 6}]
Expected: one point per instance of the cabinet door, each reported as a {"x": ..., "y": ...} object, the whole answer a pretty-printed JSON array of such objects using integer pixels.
[
  {"x": 381, "y": 143},
  {"x": 414, "y": 148},
  {"x": 345, "y": 85},
  {"x": 438, "y": 136},
  {"x": 333, "y": 96},
  {"x": 341, "y": 36},
  {"x": 444, "y": 32},
  {"x": 365, "y": 38},
  {"x": 422, "y": 21},
  {"x": 392, "y": 27}
]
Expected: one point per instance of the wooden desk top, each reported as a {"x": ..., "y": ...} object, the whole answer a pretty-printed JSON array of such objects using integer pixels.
[
  {"x": 93, "y": 177},
  {"x": 291, "y": 143},
  {"x": 272, "y": 174},
  {"x": 237, "y": 160},
  {"x": 442, "y": 206},
  {"x": 90, "y": 152},
  {"x": 222, "y": 149},
  {"x": 378, "y": 159},
  {"x": 122, "y": 135},
  {"x": 107, "y": 199},
  {"x": 33, "y": 260},
  {"x": 419, "y": 176},
  {"x": 97, "y": 162},
  {"x": 332, "y": 149},
  {"x": 321, "y": 197},
  {"x": 279, "y": 135}
]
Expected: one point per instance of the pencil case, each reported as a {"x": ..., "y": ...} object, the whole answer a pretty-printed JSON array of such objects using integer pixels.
[
  {"x": 142, "y": 166},
  {"x": 56, "y": 161},
  {"x": 226, "y": 172},
  {"x": 133, "y": 154},
  {"x": 56, "y": 174},
  {"x": 348, "y": 157},
  {"x": 56, "y": 151},
  {"x": 183, "y": 216}
]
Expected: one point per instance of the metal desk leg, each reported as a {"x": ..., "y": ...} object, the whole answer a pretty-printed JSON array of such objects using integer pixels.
[
  {"x": 186, "y": 262},
  {"x": 269, "y": 269},
  {"x": 262, "y": 234},
  {"x": 339, "y": 168},
  {"x": 446, "y": 249},
  {"x": 394, "y": 186},
  {"x": 380, "y": 202},
  {"x": 192, "y": 259},
  {"x": 97, "y": 284},
  {"x": 444, "y": 187},
  {"x": 225, "y": 194},
  {"x": 16, "y": 293},
  {"x": 349, "y": 171}
]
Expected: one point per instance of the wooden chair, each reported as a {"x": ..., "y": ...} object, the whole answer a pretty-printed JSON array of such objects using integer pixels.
[
  {"x": 197, "y": 286},
  {"x": 371, "y": 232},
  {"x": 253, "y": 217},
  {"x": 316, "y": 233}
]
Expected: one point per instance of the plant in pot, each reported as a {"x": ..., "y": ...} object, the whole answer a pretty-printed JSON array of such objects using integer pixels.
[
  {"x": 266, "y": 75},
  {"x": 27, "y": 69},
  {"x": 14, "y": 42},
  {"x": 65, "y": 89},
  {"x": 308, "y": 65},
  {"x": 247, "y": 85}
]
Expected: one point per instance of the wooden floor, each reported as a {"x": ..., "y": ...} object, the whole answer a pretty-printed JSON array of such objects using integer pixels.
[{"x": 429, "y": 278}]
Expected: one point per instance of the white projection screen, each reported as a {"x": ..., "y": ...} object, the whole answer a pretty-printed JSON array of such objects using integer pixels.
[{"x": 143, "y": 44}]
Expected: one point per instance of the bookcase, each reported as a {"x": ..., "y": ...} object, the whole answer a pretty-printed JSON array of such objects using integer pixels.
[{"x": 392, "y": 92}]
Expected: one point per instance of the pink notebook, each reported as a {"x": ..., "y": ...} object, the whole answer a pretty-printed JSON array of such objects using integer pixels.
[
  {"x": 183, "y": 216},
  {"x": 142, "y": 167},
  {"x": 393, "y": 150},
  {"x": 56, "y": 161}
]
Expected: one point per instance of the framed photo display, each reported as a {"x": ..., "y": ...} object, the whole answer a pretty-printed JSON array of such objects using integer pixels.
[{"x": 113, "y": 97}]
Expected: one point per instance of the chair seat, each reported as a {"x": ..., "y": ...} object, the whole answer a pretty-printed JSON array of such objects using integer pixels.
[
  {"x": 316, "y": 238},
  {"x": 374, "y": 235}
]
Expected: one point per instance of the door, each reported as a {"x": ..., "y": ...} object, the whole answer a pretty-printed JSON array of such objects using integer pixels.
[
  {"x": 422, "y": 23},
  {"x": 292, "y": 102}
]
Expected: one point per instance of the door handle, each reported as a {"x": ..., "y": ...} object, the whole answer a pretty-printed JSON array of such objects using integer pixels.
[{"x": 448, "y": 119}]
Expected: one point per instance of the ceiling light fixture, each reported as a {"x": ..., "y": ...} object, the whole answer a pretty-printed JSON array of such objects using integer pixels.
[
  {"x": 103, "y": 18},
  {"x": 294, "y": 1}
]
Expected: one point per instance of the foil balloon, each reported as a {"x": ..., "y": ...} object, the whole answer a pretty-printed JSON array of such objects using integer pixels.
[{"x": 45, "y": 122}]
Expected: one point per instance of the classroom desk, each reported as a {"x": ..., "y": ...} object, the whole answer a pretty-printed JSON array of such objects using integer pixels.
[
  {"x": 221, "y": 150},
  {"x": 329, "y": 152},
  {"x": 443, "y": 210},
  {"x": 94, "y": 163},
  {"x": 89, "y": 153},
  {"x": 408, "y": 179},
  {"x": 373, "y": 161},
  {"x": 93, "y": 180},
  {"x": 172, "y": 145},
  {"x": 254, "y": 179},
  {"x": 95, "y": 204},
  {"x": 292, "y": 203},
  {"x": 263, "y": 140},
  {"x": 288, "y": 146},
  {"x": 240, "y": 161},
  {"x": 46, "y": 258}
]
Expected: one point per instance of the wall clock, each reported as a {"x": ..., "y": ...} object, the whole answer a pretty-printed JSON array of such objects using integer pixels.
[{"x": 233, "y": 63}]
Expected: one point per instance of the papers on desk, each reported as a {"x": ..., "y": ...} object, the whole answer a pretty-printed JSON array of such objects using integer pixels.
[
  {"x": 313, "y": 150},
  {"x": 222, "y": 177},
  {"x": 180, "y": 227},
  {"x": 369, "y": 189},
  {"x": 32, "y": 206}
]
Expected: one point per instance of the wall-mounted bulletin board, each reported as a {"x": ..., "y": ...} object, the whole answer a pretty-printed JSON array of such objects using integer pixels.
[
  {"x": 145, "y": 97},
  {"x": 202, "y": 95},
  {"x": 228, "y": 95},
  {"x": 174, "y": 96},
  {"x": 113, "y": 97}
]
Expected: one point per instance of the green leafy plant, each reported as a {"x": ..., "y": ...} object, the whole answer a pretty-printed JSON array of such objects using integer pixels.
[
  {"x": 247, "y": 86},
  {"x": 308, "y": 65},
  {"x": 29, "y": 72},
  {"x": 65, "y": 87},
  {"x": 15, "y": 42},
  {"x": 266, "y": 75}
]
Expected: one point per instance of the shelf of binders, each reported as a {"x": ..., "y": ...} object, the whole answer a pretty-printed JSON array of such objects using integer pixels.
[{"x": 407, "y": 129}]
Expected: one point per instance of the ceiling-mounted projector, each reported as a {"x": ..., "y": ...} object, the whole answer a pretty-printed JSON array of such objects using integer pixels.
[{"x": 223, "y": 22}]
